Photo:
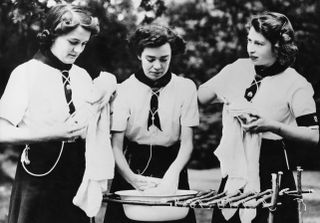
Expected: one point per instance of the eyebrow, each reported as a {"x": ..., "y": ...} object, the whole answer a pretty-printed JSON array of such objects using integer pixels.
[
  {"x": 256, "y": 41},
  {"x": 153, "y": 57}
]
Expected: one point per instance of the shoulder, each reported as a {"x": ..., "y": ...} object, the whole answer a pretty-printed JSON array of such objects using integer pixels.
[
  {"x": 80, "y": 73},
  {"x": 293, "y": 78},
  {"x": 130, "y": 82},
  {"x": 26, "y": 70},
  {"x": 240, "y": 64},
  {"x": 183, "y": 82},
  {"x": 26, "y": 65}
]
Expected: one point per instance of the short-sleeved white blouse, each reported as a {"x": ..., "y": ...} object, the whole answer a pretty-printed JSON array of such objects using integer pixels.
[
  {"x": 34, "y": 96},
  {"x": 282, "y": 97},
  {"x": 177, "y": 107}
]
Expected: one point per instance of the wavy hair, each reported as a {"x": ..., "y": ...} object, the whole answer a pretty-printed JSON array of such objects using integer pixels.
[
  {"x": 277, "y": 28},
  {"x": 62, "y": 19},
  {"x": 155, "y": 35}
]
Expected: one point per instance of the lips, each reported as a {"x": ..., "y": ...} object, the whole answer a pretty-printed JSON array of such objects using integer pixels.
[
  {"x": 73, "y": 56},
  {"x": 156, "y": 73},
  {"x": 253, "y": 57}
]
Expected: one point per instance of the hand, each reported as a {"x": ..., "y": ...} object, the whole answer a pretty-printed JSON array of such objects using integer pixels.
[
  {"x": 69, "y": 130},
  {"x": 257, "y": 124},
  {"x": 143, "y": 183},
  {"x": 167, "y": 186}
]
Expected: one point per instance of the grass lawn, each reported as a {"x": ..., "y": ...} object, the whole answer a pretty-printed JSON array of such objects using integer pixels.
[{"x": 209, "y": 179}]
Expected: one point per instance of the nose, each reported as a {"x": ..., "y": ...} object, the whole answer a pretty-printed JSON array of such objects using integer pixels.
[
  {"x": 157, "y": 64},
  {"x": 78, "y": 48},
  {"x": 250, "y": 48}
]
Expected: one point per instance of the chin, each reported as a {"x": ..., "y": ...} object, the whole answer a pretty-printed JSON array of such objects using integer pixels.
[
  {"x": 256, "y": 63},
  {"x": 69, "y": 61}
]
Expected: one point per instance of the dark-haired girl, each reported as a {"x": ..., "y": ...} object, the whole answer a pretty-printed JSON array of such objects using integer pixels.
[
  {"x": 283, "y": 101},
  {"x": 153, "y": 119},
  {"x": 37, "y": 110}
]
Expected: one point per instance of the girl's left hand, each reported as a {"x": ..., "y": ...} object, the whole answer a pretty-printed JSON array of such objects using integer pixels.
[
  {"x": 258, "y": 124},
  {"x": 167, "y": 186}
]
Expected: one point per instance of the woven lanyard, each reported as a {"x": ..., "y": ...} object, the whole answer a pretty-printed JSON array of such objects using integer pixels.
[
  {"x": 153, "y": 118},
  {"x": 67, "y": 90}
]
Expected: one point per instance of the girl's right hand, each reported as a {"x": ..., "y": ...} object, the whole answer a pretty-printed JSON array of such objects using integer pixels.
[
  {"x": 142, "y": 183},
  {"x": 70, "y": 130}
]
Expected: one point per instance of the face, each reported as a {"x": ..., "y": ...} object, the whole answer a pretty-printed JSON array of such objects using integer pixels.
[
  {"x": 260, "y": 49},
  {"x": 156, "y": 61},
  {"x": 69, "y": 46}
]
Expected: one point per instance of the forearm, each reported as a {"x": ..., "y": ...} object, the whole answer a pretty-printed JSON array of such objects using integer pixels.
[
  {"x": 122, "y": 165},
  {"x": 184, "y": 153},
  {"x": 10, "y": 134},
  {"x": 182, "y": 159},
  {"x": 302, "y": 134},
  {"x": 121, "y": 162}
]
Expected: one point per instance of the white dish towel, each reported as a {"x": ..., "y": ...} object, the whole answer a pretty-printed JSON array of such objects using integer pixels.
[
  {"x": 238, "y": 153},
  {"x": 98, "y": 156}
]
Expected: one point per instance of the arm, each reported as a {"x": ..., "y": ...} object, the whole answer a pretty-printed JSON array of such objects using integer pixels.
[
  {"x": 206, "y": 94},
  {"x": 184, "y": 153},
  {"x": 15, "y": 135},
  {"x": 139, "y": 182},
  {"x": 222, "y": 83},
  {"x": 296, "y": 133},
  {"x": 170, "y": 181},
  {"x": 302, "y": 107}
]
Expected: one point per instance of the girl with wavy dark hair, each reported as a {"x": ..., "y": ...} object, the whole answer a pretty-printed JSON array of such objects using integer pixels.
[
  {"x": 266, "y": 102},
  {"x": 152, "y": 123},
  {"x": 38, "y": 110}
]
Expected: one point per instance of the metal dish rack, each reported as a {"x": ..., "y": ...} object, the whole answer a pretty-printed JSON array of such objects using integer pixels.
[{"x": 210, "y": 199}]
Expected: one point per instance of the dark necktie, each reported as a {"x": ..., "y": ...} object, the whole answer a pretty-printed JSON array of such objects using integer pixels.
[
  {"x": 153, "y": 118},
  {"x": 67, "y": 90}
]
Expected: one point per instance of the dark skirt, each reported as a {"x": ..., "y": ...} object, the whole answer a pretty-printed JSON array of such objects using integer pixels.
[
  {"x": 137, "y": 157},
  {"x": 272, "y": 159},
  {"x": 49, "y": 198}
]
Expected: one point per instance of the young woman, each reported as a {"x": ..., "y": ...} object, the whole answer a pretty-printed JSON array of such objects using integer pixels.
[
  {"x": 37, "y": 109},
  {"x": 282, "y": 99},
  {"x": 153, "y": 118}
]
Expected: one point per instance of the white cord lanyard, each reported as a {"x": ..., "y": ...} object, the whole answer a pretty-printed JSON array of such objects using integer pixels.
[{"x": 25, "y": 161}]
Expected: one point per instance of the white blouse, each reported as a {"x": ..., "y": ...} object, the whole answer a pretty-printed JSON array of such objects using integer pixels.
[
  {"x": 282, "y": 97},
  {"x": 177, "y": 107},
  {"x": 34, "y": 96}
]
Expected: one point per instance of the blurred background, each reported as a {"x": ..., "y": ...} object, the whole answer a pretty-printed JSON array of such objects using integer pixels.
[{"x": 215, "y": 34}]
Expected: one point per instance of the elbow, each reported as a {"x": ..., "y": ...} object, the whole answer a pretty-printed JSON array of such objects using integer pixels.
[{"x": 314, "y": 138}]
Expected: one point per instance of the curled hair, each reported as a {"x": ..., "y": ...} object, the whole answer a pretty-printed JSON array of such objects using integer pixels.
[
  {"x": 155, "y": 35},
  {"x": 277, "y": 28},
  {"x": 62, "y": 19}
]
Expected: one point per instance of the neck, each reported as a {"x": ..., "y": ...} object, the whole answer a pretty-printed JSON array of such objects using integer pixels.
[
  {"x": 158, "y": 83},
  {"x": 47, "y": 57},
  {"x": 274, "y": 69}
]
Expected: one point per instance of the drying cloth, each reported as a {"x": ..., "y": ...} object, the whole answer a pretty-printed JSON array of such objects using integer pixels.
[
  {"x": 98, "y": 156},
  {"x": 238, "y": 153}
]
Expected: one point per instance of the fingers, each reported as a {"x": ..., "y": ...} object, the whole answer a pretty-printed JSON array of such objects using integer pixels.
[
  {"x": 144, "y": 183},
  {"x": 251, "y": 127}
]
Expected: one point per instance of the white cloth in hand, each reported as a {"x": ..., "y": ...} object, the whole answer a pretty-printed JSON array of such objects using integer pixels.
[{"x": 98, "y": 156}]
